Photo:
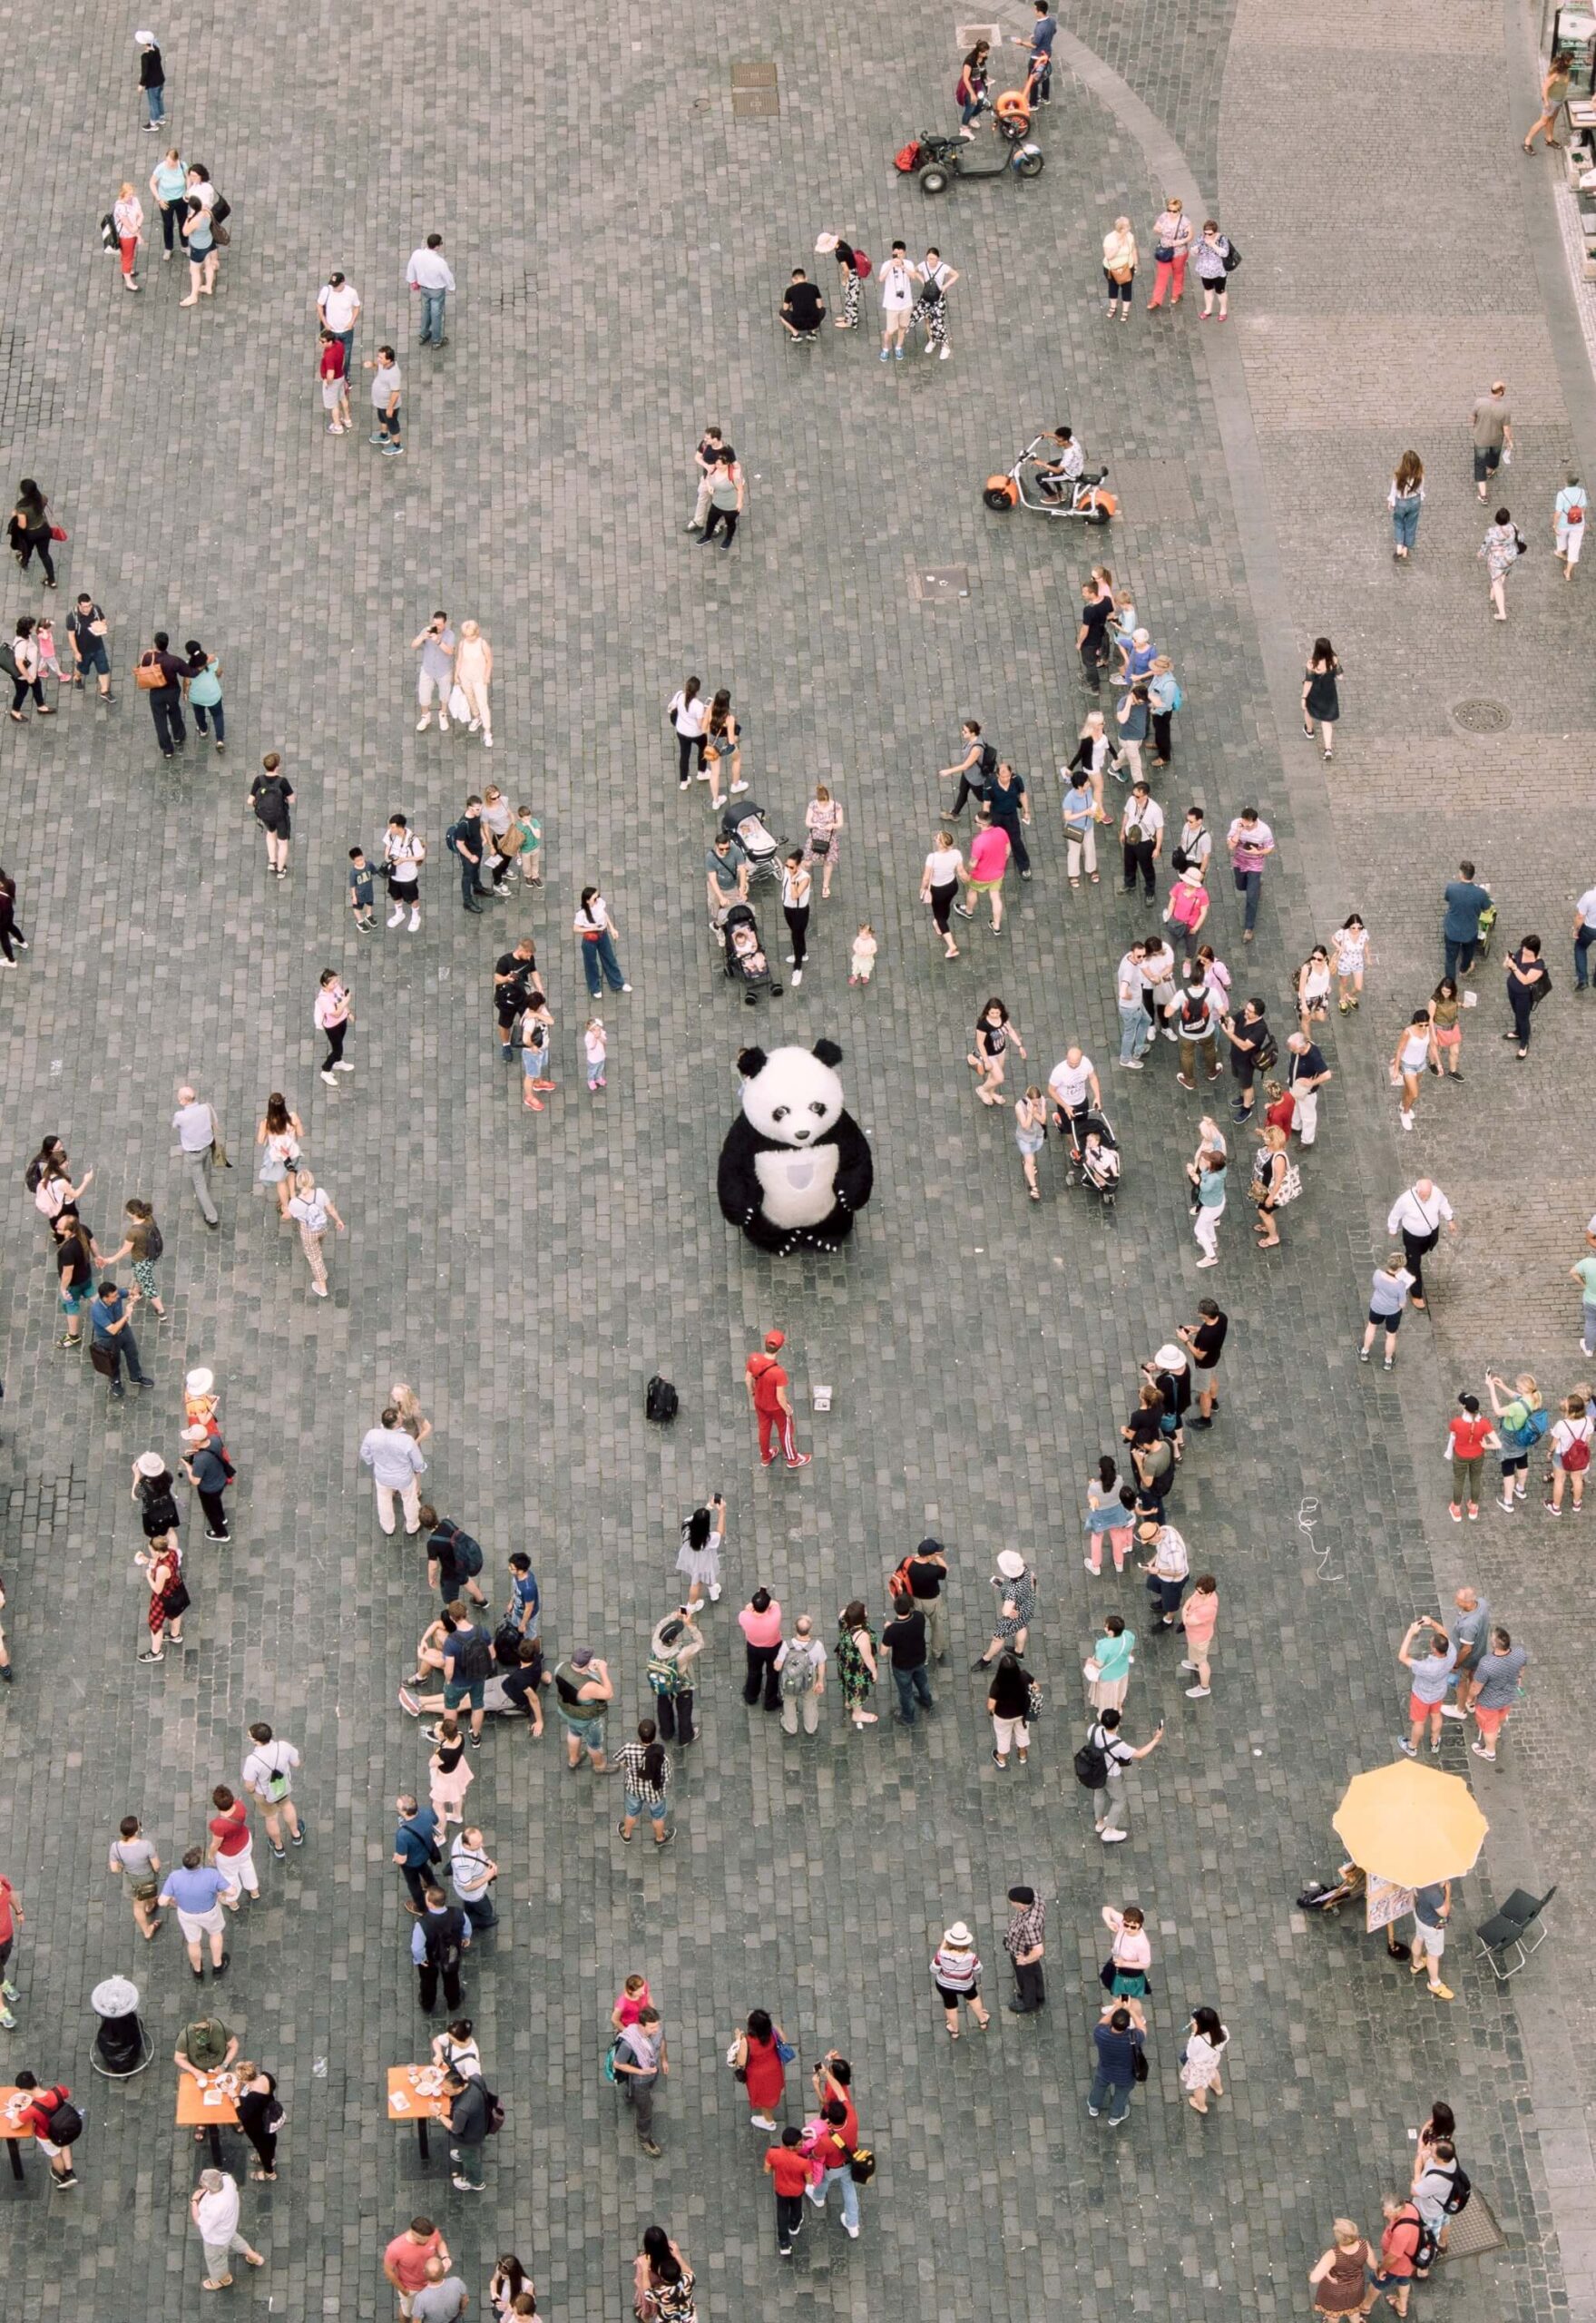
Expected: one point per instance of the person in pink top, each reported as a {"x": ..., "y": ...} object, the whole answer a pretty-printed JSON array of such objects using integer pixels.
[
  {"x": 1198, "y": 1616},
  {"x": 760, "y": 1624},
  {"x": 629, "y": 2003},
  {"x": 989, "y": 859}
]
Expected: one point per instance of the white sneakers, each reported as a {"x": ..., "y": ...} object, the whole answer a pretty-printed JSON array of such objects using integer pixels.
[
  {"x": 396, "y": 915},
  {"x": 414, "y": 921}
]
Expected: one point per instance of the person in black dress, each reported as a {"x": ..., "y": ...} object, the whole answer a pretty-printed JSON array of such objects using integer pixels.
[{"x": 259, "y": 2115}]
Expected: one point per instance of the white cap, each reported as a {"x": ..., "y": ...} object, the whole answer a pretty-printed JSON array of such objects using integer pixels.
[{"x": 150, "y": 1463}]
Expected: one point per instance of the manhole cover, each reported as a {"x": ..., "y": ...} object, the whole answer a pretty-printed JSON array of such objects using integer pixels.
[
  {"x": 1482, "y": 717},
  {"x": 753, "y": 72},
  {"x": 944, "y": 585},
  {"x": 755, "y": 104}
]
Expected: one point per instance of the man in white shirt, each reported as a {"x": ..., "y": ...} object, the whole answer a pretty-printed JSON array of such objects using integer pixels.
[
  {"x": 1419, "y": 1216},
  {"x": 897, "y": 302},
  {"x": 1073, "y": 1086},
  {"x": 195, "y": 1124},
  {"x": 338, "y": 304},
  {"x": 214, "y": 2209},
  {"x": 268, "y": 1777},
  {"x": 1135, "y": 1029},
  {"x": 428, "y": 272},
  {"x": 395, "y": 1461},
  {"x": 1584, "y": 936},
  {"x": 1158, "y": 984}
]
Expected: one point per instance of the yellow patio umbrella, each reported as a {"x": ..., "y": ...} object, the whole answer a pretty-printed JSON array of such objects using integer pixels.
[{"x": 1411, "y": 1823}]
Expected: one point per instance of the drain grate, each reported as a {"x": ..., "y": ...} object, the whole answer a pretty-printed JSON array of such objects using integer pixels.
[
  {"x": 945, "y": 584},
  {"x": 1482, "y": 717},
  {"x": 754, "y": 93}
]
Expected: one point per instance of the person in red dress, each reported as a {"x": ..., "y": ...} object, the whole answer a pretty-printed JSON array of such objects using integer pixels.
[
  {"x": 756, "y": 2057},
  {"x": 766, "y": 1385}
]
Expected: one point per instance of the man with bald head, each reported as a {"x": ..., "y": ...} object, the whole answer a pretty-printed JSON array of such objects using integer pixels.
[
  {"x": 195, "y": 1123},
  {"x": 1419, "y": 1216}
]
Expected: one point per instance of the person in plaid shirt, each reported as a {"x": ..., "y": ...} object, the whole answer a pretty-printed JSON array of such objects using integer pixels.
[{"x": 1022, "y": 1943}]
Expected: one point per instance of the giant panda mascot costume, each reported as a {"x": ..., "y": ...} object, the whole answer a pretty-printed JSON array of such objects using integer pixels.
[{"x": 796, "y": 1167}]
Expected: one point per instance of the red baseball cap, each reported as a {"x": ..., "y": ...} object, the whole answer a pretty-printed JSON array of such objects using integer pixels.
[{"x": 773, "y": 1340}]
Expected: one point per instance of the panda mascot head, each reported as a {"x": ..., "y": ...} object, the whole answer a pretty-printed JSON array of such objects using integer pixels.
[{"x": 796, "y": 1168}]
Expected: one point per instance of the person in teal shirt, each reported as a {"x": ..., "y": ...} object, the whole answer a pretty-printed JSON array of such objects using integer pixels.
[
  {"x": 205, "y": 691},
  {"x": 169, "y": 182},
  {"x": 1113, "y": 1653}
]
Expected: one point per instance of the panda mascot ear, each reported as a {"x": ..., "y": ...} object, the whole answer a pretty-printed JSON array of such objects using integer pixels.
[
  {"x": 752, "y": 1061},
  {"x": 828, "y": 1053}
]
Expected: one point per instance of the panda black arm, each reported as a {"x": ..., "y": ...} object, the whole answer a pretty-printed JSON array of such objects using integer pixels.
[
  {"x": 855, "y": 1165},
  {"x": 738, "y": 1182}
]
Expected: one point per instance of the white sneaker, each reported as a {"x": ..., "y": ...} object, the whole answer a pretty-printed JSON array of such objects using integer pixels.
[
  {"x": 442, "y": 723},
  {"x": 395, "y": 916},
  {"x": 423, "y": 723},
  {"x": 714, "y": 1592},
  {"x": 319, "y": 1290},
  {"x": 342, "y": 1066},
  {"x": 488, "y": 741},
  {"x": 414, "y": 921},
  {"x": 1113, "y": 1838},
  {"x": 1197, "y": 1693},
  {"x": 1189, "y": 1665},
  {"x": 852, "y": 2232},
  {"x": 946, "y": 352},
  {"x": 474, "y": 727},
  {"x": 329, "y": 1081},
  {"x": 796, "y": 979},
  {"x": 1447, "y": 1710}
]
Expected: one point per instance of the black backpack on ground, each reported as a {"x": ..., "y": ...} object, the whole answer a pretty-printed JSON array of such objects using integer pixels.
[{"x": 661, "y": 1403}]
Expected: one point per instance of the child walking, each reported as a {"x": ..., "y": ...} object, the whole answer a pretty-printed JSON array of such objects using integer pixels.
[
  {"x": 45, "y": 639},
  {"x": 596, "y": 1042},
  {"x": 362, "y": 887},
  {"x": 1030, "y": 1131},
  {"x": 862, "y": 965}
]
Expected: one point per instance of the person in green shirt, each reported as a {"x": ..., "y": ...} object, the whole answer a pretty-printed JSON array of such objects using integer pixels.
[
  {"x": 1584, "y": 1274},
  {"x": 1112, "y": 1653}
]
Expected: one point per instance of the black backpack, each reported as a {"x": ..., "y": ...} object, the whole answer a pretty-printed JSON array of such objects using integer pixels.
[
  {"x": 65, "y": 2125},
  {"x": 472, "y": 1659},
  {"x": 988, "y": 762},
  {"x": 1092, "y": 1765},
  {"x": 1463, "y": 2187},
  {"x": 465, "y": 1552},
  {"x": 494, "y": 2112},
  {"x": 1268, "y": 1054},
  {"x": 155, "y": 1247},
  {"x": 661, "y": 1402},
  {"x": 507, "y": 1645}
]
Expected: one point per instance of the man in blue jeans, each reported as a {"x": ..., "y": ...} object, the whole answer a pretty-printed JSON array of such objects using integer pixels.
[
  {"x": 1251, "y": 843},
  {"x": 429, "y": 273},
  {"x": 1117, "y": 2043},
  {"x": 416, "y": 1847},
  {"x": 835, "y": 2149},
  {"x": 111, "y": 1316},
  {"x": 1465, "y": 899},
  {"x": 905, "y": 1639}
]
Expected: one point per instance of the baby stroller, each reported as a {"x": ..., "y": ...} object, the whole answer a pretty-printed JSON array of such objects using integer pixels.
[
  {"x": 1094, "y": 1155},
  {"x": 747, "y": 961},
  {"x": 746, "y": 824}
]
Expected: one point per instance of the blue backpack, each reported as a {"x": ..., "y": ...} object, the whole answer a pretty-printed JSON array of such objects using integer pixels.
[{"x": 1535, "y": 1427}]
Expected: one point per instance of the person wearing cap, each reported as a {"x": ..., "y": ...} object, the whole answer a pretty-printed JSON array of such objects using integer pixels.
[
  {"x": 1170, "y": 1374},
  {"x": 337, "y": 308},
  {"x": 152, "y": 80},
  {"x": 926, "y": 1572},
  {"x": 1491, "y": 429},
  {"x": 583, "y": 1692},
  {"x": 767, "y": 1393},
  {"x": 207, "y": 1470},
  {"x": 833, "y": 246},
  {"x": 1168, "y": 1567},
  {"x": 956, "y": 1970},
  {"x": 1016, "y": 1602},
  {"x": 1022, "y": 1940}
]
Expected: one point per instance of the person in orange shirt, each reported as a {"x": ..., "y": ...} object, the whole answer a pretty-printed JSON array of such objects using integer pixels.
[{"x": 767, "y": 1393}]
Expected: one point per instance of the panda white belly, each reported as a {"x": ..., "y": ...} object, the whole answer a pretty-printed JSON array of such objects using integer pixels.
[{"x": 796, "y": 1186}]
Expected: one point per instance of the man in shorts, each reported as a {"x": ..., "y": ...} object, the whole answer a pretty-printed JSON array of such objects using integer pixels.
[
  {"x": 85, "y": 633},
  {"x": 1497, "y": 1676},
  {"x": 989, "y": 859},
  {"x": 468, "y": 1662},
  {"x": 404, "y": 2261},
  {"x": 897, "y": 302},
  {"x": 195, "y": 1888},
  {"x": 582, "y": 1691},
  {"x": 1431, "y": 1906},
  {"x": 1204, "y": 1341},
  {"x": 1429, "y": 1675},
  {"x": 1470, "y": 1628},
  {"x": 1490, "y": 427}
]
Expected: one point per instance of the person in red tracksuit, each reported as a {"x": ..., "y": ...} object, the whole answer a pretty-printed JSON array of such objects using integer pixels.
[{"x": 767, "y": 1385}]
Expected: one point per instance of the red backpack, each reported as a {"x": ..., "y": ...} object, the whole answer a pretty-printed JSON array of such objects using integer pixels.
[
  {"x": 862, "y": 266},
  {"x": 908, "y": 158}
]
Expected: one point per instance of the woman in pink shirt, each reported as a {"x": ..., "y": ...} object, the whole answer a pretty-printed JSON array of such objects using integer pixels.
[
  {"x": 760, "y": 1624},
  {"x": 989, "y": 859},
  {"x": 1198, "y": 1616}
]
